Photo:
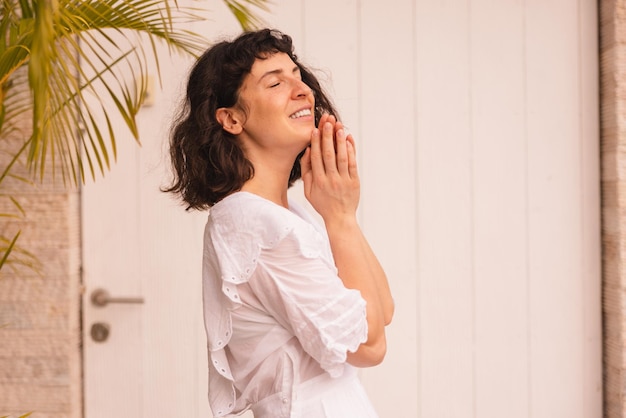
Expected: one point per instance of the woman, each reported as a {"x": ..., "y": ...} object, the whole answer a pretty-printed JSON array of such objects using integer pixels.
[{"x": 290, "y": 307}]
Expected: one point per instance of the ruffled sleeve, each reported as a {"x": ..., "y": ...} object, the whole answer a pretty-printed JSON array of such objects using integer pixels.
[
  {"x": 294, "y": 277},
  {"x": 303, "y": 292},
  {"x": 237, "y": 229}
]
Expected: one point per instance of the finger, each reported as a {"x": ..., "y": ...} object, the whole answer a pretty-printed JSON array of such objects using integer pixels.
[
  {"x": 317, "y": 165},
  {"x": 338, "y": 126},
  {"x": 322, "y": 120},
  {"x": 342, "y": 152},
  {"x": 326, "y": 118},
  {"x": 328, "y": 148},
  {"x": 351, "y": 151},
  {"x": 350, "y": 139}
]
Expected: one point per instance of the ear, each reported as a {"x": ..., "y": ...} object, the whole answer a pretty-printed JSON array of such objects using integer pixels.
[{"x": 230, "y": 120}]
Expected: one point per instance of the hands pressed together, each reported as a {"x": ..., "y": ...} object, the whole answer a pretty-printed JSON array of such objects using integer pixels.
[
  {"x": 331, "y": 185},
  {"x": 329, "y": 171}
]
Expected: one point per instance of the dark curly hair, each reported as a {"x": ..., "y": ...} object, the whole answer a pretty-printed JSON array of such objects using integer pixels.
[{"x": 208, "y": 162}]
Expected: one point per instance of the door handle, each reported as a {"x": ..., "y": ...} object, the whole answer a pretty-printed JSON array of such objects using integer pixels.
[{"x": 101, "y": 297}]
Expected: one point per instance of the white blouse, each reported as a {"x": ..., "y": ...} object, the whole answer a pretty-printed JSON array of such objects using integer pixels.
[{"x": 276, "y": 313}]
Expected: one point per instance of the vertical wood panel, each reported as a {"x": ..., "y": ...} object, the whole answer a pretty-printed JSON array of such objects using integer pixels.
[
  {"x": 289, "y": 17},
  {"x": 499, "y": 188},
  {"x": 444, "y": 239},
  {"x": 386, "y": 150},
  {"x": 555, "y": 217},
  {"x": 331, "y": 47},
  {"x": 589, "y": 117}
]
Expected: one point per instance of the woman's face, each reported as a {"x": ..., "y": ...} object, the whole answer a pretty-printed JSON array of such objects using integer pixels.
[{"x": 279, "y": 107}]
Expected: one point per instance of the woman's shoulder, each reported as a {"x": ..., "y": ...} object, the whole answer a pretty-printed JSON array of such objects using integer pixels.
[
  {"x": 244, "y": 202},
  {"x": 251, "y": 216},
  {"x": 243, "y": 225},
  {"x": 249, "y": 223}
]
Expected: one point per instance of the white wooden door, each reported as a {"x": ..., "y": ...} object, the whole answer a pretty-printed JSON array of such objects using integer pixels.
[
  {"x": 139, "y": 242},
  {"x": 477, "y": 134}
]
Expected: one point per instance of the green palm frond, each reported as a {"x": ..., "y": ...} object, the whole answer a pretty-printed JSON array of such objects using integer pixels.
[
  {"x": 14, "y": 51},
  {"x": 243, "y": 11},
  {"x": 62, "y": 61},
  {"x": 91, "y": 41},
  {"x": 21, "y": 416},
  {"x": 76, "y": 66},
  {"x": 76, "y": 52},
  {"x": 10, "y": 252}
]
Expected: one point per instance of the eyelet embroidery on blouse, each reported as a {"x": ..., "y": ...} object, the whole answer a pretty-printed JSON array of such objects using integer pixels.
[{"x": 265, "y": 230}]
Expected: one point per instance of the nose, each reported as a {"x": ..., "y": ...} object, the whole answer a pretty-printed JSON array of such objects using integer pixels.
[{"x": 301, "y": 89}]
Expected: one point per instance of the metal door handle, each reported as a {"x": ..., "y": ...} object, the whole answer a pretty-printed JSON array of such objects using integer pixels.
[{"x": 101, "y": 297}]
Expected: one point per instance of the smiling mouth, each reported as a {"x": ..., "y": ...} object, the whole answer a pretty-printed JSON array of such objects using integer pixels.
[{"x": 301, "y": 113}]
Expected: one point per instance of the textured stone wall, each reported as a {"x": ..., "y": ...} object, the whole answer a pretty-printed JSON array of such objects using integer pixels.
[
  {"x": 40, "y": 355},
  {"x": 613, "y": 122}
]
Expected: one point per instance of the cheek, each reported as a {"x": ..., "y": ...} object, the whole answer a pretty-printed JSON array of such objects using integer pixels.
[{"x": 260, "y": 110}]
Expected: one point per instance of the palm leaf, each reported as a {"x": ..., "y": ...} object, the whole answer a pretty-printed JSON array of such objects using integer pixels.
[
  {"x": 6, "y": 247},
  {"x": 78, "y": 50},
  {"x": 21, "y": 416},
  {"x": 10, "y": 253},
  {"x": 62, "y": 61},
  {"x": 13, "y": 256},
  {"x": 76, "y": 54},
  {"x": 243, "y": 11}
]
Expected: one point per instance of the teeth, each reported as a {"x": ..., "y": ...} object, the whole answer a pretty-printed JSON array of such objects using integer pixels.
[{"x": 301, "y": 113}]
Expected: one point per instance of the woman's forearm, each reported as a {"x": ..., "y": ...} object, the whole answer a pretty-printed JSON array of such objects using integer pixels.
[
  {"x": 382, "y": 284},
  {"x": 359, "y": 269}
]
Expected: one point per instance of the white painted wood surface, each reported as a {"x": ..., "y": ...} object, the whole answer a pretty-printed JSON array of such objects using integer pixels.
[{"x": 477, "y": 132}]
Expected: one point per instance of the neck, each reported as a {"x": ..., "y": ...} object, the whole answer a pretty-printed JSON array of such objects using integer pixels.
[{"x": 270, "y": 183}]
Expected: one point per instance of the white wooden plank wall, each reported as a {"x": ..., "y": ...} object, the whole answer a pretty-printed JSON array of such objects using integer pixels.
[
  {"x": 591, "y": 242},
  {"x": 445, "y": 277},
  {"x": 554, "y": 211},
  {"x": 498, "y": 206},
  {"x": 388, "y": 149},
  {"x": 477, "y": 131}
]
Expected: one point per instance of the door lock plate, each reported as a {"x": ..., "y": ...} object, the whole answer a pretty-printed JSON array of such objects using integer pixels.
[{"x": 100, "y": 331}]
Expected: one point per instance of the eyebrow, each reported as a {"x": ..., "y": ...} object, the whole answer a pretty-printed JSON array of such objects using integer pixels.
[{"x": 278, "y": 71}]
